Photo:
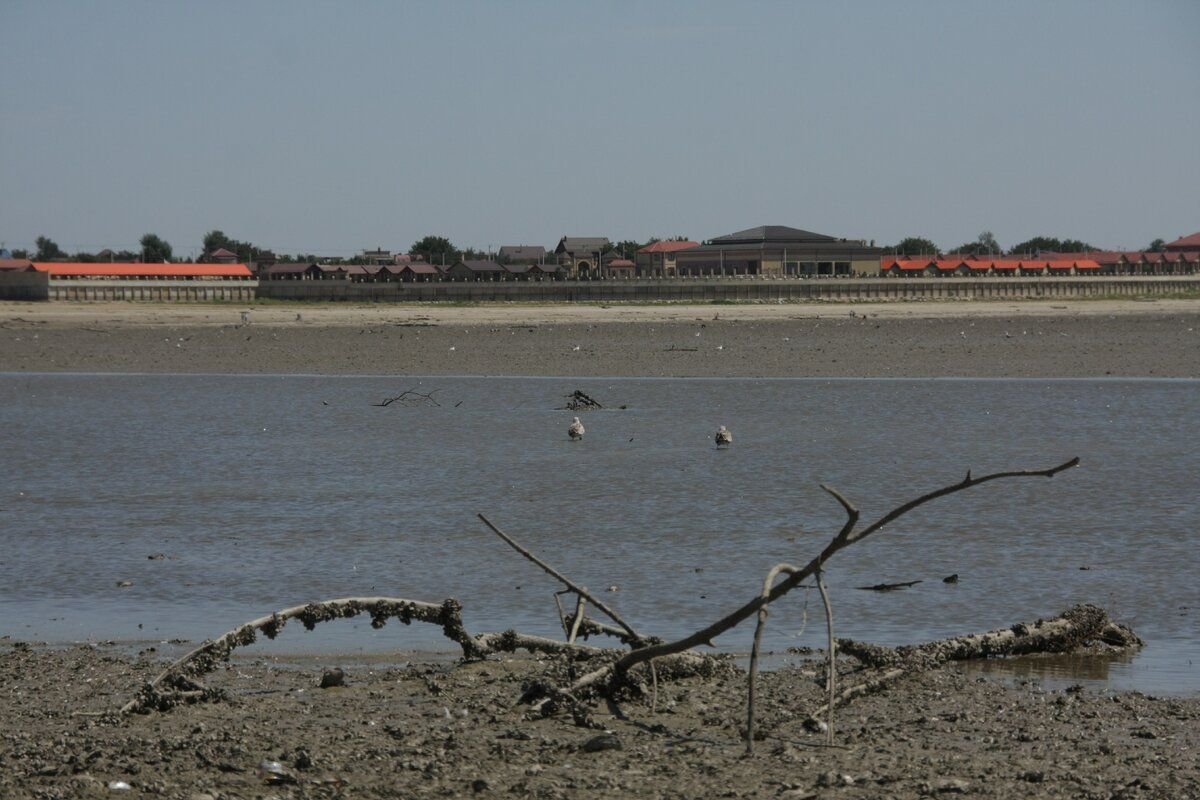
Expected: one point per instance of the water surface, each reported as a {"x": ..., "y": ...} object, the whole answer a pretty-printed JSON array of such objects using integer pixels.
[{"x": 261, "y": 492}]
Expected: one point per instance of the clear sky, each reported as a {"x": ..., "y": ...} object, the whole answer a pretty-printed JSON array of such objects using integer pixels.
[{"x": 331, "y": 127}]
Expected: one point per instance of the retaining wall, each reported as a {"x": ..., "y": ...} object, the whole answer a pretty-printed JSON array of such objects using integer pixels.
[{"x": 709, "y": 290}]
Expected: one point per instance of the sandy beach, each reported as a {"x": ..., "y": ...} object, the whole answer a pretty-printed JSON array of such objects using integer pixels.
[{"x": 1134, "y": 338}]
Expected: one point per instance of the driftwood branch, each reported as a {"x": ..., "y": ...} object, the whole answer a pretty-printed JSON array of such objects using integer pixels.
[
  {"x": 408, "y": 396},
  {"x": 178, "y": 678},
  {"x": 888, "y": 587},
  {"x": 845, "y": 537},
  {"x": 578, "y": 401},
  {"x": 579, "y": 590},
  {"x": 1079, "y": 626}
]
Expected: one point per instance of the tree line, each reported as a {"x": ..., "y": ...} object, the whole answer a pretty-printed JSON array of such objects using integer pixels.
[
  {"x": 155, "y": 249},
  {"x": 986, "y": 245}
]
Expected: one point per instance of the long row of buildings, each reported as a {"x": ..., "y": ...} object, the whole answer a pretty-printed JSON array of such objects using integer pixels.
[{"x": 773, "y": 251}]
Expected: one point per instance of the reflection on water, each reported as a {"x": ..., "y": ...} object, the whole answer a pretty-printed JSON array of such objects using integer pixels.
[
  {"x": 1060, "y": 670},
  {"x": 225, "y": 497}
]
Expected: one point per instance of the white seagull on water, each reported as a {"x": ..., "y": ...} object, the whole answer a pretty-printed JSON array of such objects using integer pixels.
[
  {"x": 576, "y": 430},
  {"x": 723, "y": 437}
]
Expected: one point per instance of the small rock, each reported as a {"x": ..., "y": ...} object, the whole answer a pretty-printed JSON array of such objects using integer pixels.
[
  {"x": 815, "y": 726},
  {"x": 302, "y": 760},
  {"x": 333, "y": 677},
  {"x": 157, "y": 556},
  {"x": 1033, "y": 776},
  {"x": 950, "y": 786},
  {"x": 950, "y": 578},
  {"x": 605, "y": 741},
  {"x": 828, "y": 780},
  {"x": 480, "y": 785},
  {"x": 119, "y": 786}
]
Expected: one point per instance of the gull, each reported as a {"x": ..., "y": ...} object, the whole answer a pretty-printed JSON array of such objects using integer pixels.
[
  {"x": 723, "y": 437},
  {"x": 576, "y": 430}
]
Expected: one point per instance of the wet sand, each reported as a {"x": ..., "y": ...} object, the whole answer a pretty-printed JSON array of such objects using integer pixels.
[{"x": 1150, "y": 338}]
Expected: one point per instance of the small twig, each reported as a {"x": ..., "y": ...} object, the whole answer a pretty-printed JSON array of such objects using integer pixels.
[
  {"x": 562, "y": 615},
  {"x": 579, "y": 590},
  {"x": 580, "y": 605},
  {"x": 830, "y": 681},
  {"x": 653, "y": 687}
]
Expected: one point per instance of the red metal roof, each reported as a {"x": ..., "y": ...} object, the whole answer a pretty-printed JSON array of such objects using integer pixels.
[
  {"x": 978, "y": 263},
  {"x": 668, "y": 247},
  {"x": 79, "y": 269},
  {"x": 905, "y": 264},
  {"x": 1005, "y": 264},
  {"x": 948, "y": 264},
  {"x": 1033, "y": 263},
  {"x": 620, "y": 263},
  {"x": 1186, "y": 242}
]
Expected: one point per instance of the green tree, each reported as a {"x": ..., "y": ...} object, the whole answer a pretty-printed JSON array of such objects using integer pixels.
[
  {"x": 245, "y": 251},
  {"x": 988, "y": 242},
  {"x": 435, "y": 250},
  {"x": 628, "y": 248},
  {"x": 916, "y": 246},
  {"x": 20, "y": 254},
  {"x": 155, "y": 249},
  {"x": 1039, "y": 244},
  {"x": 215, "y": 240},
  {"x": 1157, "y": 246},
  {"x": 47, "y": 250}
]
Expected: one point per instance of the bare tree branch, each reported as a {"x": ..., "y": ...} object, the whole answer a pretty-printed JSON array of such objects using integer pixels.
[
  {"x": 579, "y": 590},
  {"x": 844, "y": 538}
]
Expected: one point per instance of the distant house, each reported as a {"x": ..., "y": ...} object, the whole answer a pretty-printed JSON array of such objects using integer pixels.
[
  {"x": 377, "y": 256},
  {"x": 1073, "y": 266},
  {"x": 659, "y": 258},
  {"x": 619, "y": 268},
  {"x": 949, "y": 267},
  {"x": 521, "y": 254},
  {"x": 582, "y": 256},
  {"x": 313, "y": 271},
  {"x": 1185, "y": 244},
  {"x": 417, "y": 271},
  {"x": 907, "y": 267},
  {"x": 96, "y": 271},
  {"x": 16, "y": 265},
  {"x": 545, "y": 271},
  {"x": 221, "y": 256},
  {"x": 476, "y": 270},
  {"x": 779, "y": 250}
]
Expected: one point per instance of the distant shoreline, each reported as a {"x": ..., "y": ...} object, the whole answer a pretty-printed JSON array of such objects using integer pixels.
[{"x": 1018, "y": 338}]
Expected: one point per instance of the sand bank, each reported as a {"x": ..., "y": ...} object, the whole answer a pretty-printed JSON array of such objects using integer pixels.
[{"x": 1152, "y": 338}]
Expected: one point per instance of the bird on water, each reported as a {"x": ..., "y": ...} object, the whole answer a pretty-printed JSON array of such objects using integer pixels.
[
  {"x": 576, "y": 430},
  {"x": 724, "y": 437}
]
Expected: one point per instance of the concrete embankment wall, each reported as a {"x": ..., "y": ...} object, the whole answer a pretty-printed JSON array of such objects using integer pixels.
[
  {"x": 709, "y": 290},
  {"x": 38, "y": 286}
]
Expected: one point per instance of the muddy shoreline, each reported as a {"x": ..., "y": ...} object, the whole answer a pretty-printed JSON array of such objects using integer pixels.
[
  {"x": 1019, "y": 340},
  {"x": 433, "y": 730}
]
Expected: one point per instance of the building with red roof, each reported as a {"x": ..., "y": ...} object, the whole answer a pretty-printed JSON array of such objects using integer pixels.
[
  {"x": 73, "y": 270},
  {"x": 1185, "y": 244},
  {"x": 659, "y": 258}
]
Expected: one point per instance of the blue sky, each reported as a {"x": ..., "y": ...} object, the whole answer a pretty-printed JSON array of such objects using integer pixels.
[{"x": 332, "y": 127}]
